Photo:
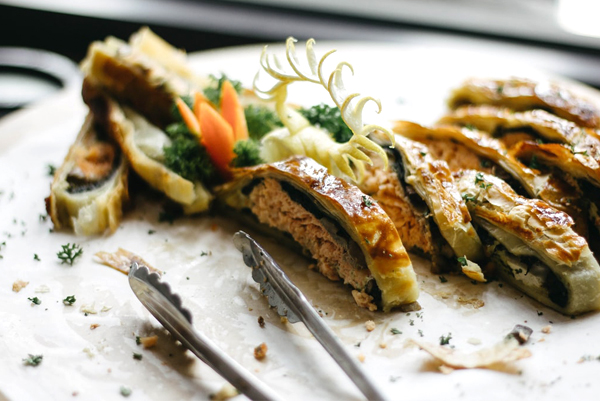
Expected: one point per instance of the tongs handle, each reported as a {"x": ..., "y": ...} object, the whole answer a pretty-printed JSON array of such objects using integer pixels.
[
  {"x": 156, "y": 297},
  {"x": 295, "y": 300}
]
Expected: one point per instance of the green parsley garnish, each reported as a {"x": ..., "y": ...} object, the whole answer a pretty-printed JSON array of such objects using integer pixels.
[
  {"x": 35, "y": 300},
  {"x": 462, "y": 260},
  {"x": 33, "y": 360},
  {"x": 366, "y": 201},
  {"x": 445, "y": 340},
  {"x": 260, "y": 121},
  {"x": 137, "y": 340},
  {"x": 188, "y": 158},
  {"x": 330, "y": 119},
  {"x": 470, "y": 127},
  {"x": 36, "y": 257},
  {"x": 420, "y": 332},
  {"x": 137, "y": 356},
  {"x": 423, "y": 154},
  {"x": 125, "y": 391},
  {"x": 395, "y": 331},
  {"x": 443, "y": 279},
  {"x": 485, "y": 163},
  {"x": 150, "y": 232},
  {"x": 70, "y": 300},
  {"x": 51, "y": 170},
  {"x": 203, "y": 253},
  {"x": 247, "y": 153},
  {"x": 69, "y": 253},
  {"x": 469, "y": 198}
]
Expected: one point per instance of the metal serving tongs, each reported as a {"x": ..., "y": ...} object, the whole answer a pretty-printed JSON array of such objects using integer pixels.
[
  {"x": 166, "y": 306},
  {"x": 289, "y": 301}
]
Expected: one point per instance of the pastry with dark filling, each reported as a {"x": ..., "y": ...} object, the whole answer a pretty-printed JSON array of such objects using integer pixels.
[
  {"x": 533, "y": 245},
  {"x": 90, "y": 187}
]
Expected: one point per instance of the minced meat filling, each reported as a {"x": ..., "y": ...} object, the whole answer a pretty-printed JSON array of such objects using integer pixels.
[
  {"x": 274, "y": 207},
  {"x": 413, "y": 228}
]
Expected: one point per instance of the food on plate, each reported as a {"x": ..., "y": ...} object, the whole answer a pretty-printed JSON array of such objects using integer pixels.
[
  {"x": 522, "y": 94},
  {"x": 146, "y": 73},
  {"x": 561, "y": 193},
  {"x": 420, "y": 196},
  {"x": 533, "y": 245},
  {"x": 90, "y": 187},
  {"x": 144, "y": 144},
  {"x": 345, "y": 231}
]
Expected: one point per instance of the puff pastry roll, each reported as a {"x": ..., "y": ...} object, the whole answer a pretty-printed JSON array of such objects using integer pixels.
[
  {"x": 146, "y": 75},
  {"x": 420, "y": 196},
  {"x": 90, "y": 187},
  {"x": 345, "y": 231},
  {"x": 550, "y": 187},
  {"x": 522, "y": 94},
  {"x": 533, "y": 245},
  {"x": 143, "y": 145}
]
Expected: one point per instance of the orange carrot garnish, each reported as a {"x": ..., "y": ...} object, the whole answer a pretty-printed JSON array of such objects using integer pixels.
[{"x": 233, "y": 112}]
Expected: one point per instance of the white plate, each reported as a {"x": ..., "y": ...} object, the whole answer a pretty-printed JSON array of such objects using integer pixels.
[{"x": 93, "y": 364}]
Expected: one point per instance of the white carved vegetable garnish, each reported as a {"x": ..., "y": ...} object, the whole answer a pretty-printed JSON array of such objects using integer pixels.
[{"x": 299, "y": 137}]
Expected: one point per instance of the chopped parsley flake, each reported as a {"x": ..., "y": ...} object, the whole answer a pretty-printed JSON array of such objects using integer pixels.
[
  {"x": 35, "y": 300},
  {"x": 395, "y": 331},
  {"x": 33, "y": 360},
  {"x": 468, "y": 198},
  {"x": 137, "y": 340},
  {"x": 125, "y": 391},
  {"x": 150, "y": 232},
  {"x": 462, "y": 260},
  {"x": 51, "y": 170},
  {"x": 36, "y": 257},
  {"x": 137, "y": 356},
  {"x": 70, "y": 300},
  {"x": 443, "y": 279},
  {"x": 445, "y": 340},
  {"x": 412, "y": 322},
  {"x": 420, "y": 333},
  {"x": 206, "y": 253},
  {"x": 366, "y": 201},
  {"x": 69, "y": 253}
]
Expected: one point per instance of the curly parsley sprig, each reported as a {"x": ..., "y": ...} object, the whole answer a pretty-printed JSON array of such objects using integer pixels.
[{"x": 69, "y": 253}]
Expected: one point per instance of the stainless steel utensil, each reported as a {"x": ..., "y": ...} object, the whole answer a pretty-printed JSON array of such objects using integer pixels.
[
  {"x": 289, "y": 301},
  {"x": 166, "y": 307}
]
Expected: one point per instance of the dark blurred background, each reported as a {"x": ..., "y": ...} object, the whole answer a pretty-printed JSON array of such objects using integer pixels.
[{"x": 561, "y": 36}]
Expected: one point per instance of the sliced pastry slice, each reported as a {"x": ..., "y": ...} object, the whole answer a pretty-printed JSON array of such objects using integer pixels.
[
  {"x": 141, "y": 75},
  {"x": 420, "y": 196},
  {"x": 533, "y": 245},
  {"x": 345, "y": 231},
  {"x": 144, "y": 147},
  {"x": 522, "y": 94},
  {"x": 560, "y": 193},
  {"x": 90, "y": 187}
]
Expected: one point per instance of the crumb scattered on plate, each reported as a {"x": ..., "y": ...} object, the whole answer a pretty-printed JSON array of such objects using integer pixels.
[
  {"x": 546, "y": 329},
  {"x": 370, "y": 325},
  {"x": 19, "y": 285},
  {"x": 148, "y": 342},
  {"x": 260, "y": 352},
  {"x": 226, "y": 392}
]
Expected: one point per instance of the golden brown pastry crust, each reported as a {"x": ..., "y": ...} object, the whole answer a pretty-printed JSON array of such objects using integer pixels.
[
  {"x": 363, "y": 219},
  {"x": 135, "y": 78},
  {"x": 522, "y": 94},
  {"x": 90, "y": 211},
  {"x": 531, "y": 227},
  {"x": 549, "y": 187}
]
